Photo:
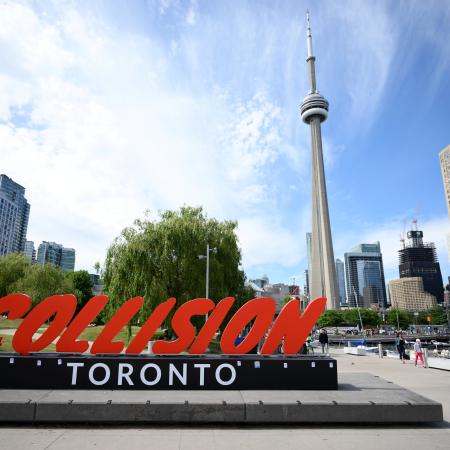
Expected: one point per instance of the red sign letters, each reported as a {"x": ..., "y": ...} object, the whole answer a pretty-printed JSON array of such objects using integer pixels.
[{"x": 290, "y": 328}]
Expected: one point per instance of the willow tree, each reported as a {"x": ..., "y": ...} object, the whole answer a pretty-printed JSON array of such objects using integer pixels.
[{"x": 158, "y": 259}]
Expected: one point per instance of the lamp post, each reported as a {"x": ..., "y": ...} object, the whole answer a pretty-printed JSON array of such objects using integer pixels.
[
  {"x": 357, "y": 307},
  {"x": 208, "y": 251}
]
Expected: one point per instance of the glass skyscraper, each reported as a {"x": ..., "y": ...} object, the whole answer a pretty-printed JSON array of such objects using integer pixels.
[
  {"x": 365, "y": 276},
  {"x": 29, "y": 251},
  {"x": 14, "y": 215},
  {"x": 56, "y": 254},
  {"x": 67, "y": 259},
  {"x": 340, "y": 278}
]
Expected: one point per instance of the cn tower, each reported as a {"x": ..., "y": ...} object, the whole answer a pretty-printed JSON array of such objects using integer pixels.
[{"x": 314, "y": 110}]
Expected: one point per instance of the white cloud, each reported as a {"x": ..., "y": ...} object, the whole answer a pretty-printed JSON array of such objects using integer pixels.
[
  {"x": 367, "y": 40},
  {"x": 192, "y": 13},
  {"x": 100, "y": 123},
  {"x": 252, "y": 138},
  {"x": 106, "y": 136},
  {"x": 264, "y": 241}
]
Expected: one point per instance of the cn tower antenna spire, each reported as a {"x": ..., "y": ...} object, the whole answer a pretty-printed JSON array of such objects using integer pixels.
[
  {"x": 310, "y": 57},
  {"x": 308, "y": 35}
]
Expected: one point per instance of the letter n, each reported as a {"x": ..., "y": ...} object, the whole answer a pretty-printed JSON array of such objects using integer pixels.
[{"x": 293, "y": 327}]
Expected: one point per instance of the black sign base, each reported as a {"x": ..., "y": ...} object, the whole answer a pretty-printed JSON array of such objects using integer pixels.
[{"x": 171, "y": 372}]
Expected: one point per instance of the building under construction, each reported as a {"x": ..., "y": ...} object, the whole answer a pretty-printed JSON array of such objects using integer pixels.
[{"x": 418, "y": 259}]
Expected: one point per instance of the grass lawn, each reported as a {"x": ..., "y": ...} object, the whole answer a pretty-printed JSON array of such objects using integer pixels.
[
  {"x": 91, "y": 333},
  {"x": 6, "y": 345},
  {"x": 6, "y": 324}
]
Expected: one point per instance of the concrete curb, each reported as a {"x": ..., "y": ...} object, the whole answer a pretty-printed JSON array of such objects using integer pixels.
[{"x": 361, "y": 398}]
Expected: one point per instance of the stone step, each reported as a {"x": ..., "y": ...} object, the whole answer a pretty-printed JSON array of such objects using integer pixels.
[{"x": 360, "y": 398}]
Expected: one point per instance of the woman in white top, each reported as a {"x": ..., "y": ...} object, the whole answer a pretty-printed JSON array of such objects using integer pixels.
[{"x": 419, "y": 352}]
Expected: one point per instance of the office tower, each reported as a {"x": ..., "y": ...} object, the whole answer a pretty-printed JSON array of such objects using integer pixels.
[
  {"x": 365, "y": 276},
  {"x": 97, "y": 284},
  {"x": 67, "y": 259},
  {"x": 306, "y": 286},
  {"x": 340, "y": 278},
  {"x": 277, "y": 291},
  {"x": 56, "y": 254},
  {"x": 314, "y": 110},
  {"x": 261, "y": 282},
  {"x": 418, "y": 259},
  {"x": 367, "y": 248},
  {"x": 14, "y": 215},
  {"x": 30, "y": 251},
  {"x": 408, "y": 294}
]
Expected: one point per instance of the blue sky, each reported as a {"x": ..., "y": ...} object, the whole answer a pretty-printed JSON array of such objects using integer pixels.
[{"x": 108, "y": 109}]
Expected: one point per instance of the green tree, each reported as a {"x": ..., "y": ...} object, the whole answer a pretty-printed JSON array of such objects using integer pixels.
[
  {"x": 81, "y": 281},
  {"x": 42, "y": 281},
  {"x": 12, "y": 268},
  {"x": 369, "y": 317},
  {"x": 405, "y": 318},
  {"x": 351, "y": 317},
  {"x": 97, "y": 267},
  {"x": 437, "y": 315},
  {"x": 330, "y": 318},
  {"x": 157, "y": 259}
]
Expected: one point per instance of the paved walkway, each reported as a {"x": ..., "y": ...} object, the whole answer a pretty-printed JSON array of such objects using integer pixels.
[{"x": 432, "y": 383}]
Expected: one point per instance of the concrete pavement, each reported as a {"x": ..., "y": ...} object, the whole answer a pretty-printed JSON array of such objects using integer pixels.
[{"x": 431, "y": 383}]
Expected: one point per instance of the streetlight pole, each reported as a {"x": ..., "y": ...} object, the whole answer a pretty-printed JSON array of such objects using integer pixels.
[
  {"x": 208, "y": 251},
  {"x": 359, "y": 314},
  {"x": 207, "y": 273}
]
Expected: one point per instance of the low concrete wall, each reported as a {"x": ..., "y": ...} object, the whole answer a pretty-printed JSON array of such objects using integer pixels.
[{"x": 361, "y": 398}]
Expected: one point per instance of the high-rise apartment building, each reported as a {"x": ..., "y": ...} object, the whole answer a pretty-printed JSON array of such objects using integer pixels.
[
  {"x": 444, "y": 157},
  {"x": 56, "y": 254},
  {"x": 30, "y": 251},
  {"x": 365, "y": 276},
  {"x": 419, "y": 259},
  {"x": 340, "y": 278},
  {"x": 408, "y": 294},
  {"x": 14, "y": 215}
]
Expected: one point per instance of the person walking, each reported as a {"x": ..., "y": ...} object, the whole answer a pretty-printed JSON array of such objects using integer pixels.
[
  {"x": 400, "y": 342},
  {"x": 323, "y": 339},
  {"x": 419, "y": 352},
  {"x": 309, "y": 344}
]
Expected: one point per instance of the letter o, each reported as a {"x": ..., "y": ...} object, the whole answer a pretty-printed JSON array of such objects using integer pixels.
[
  {"x": 106, "y": 377},
  {"x": 158, "y": 374},
  {"x": 220, "y": 380}
]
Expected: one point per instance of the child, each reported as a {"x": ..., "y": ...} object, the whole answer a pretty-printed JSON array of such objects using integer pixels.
[{"x": 419, "y": 352}]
